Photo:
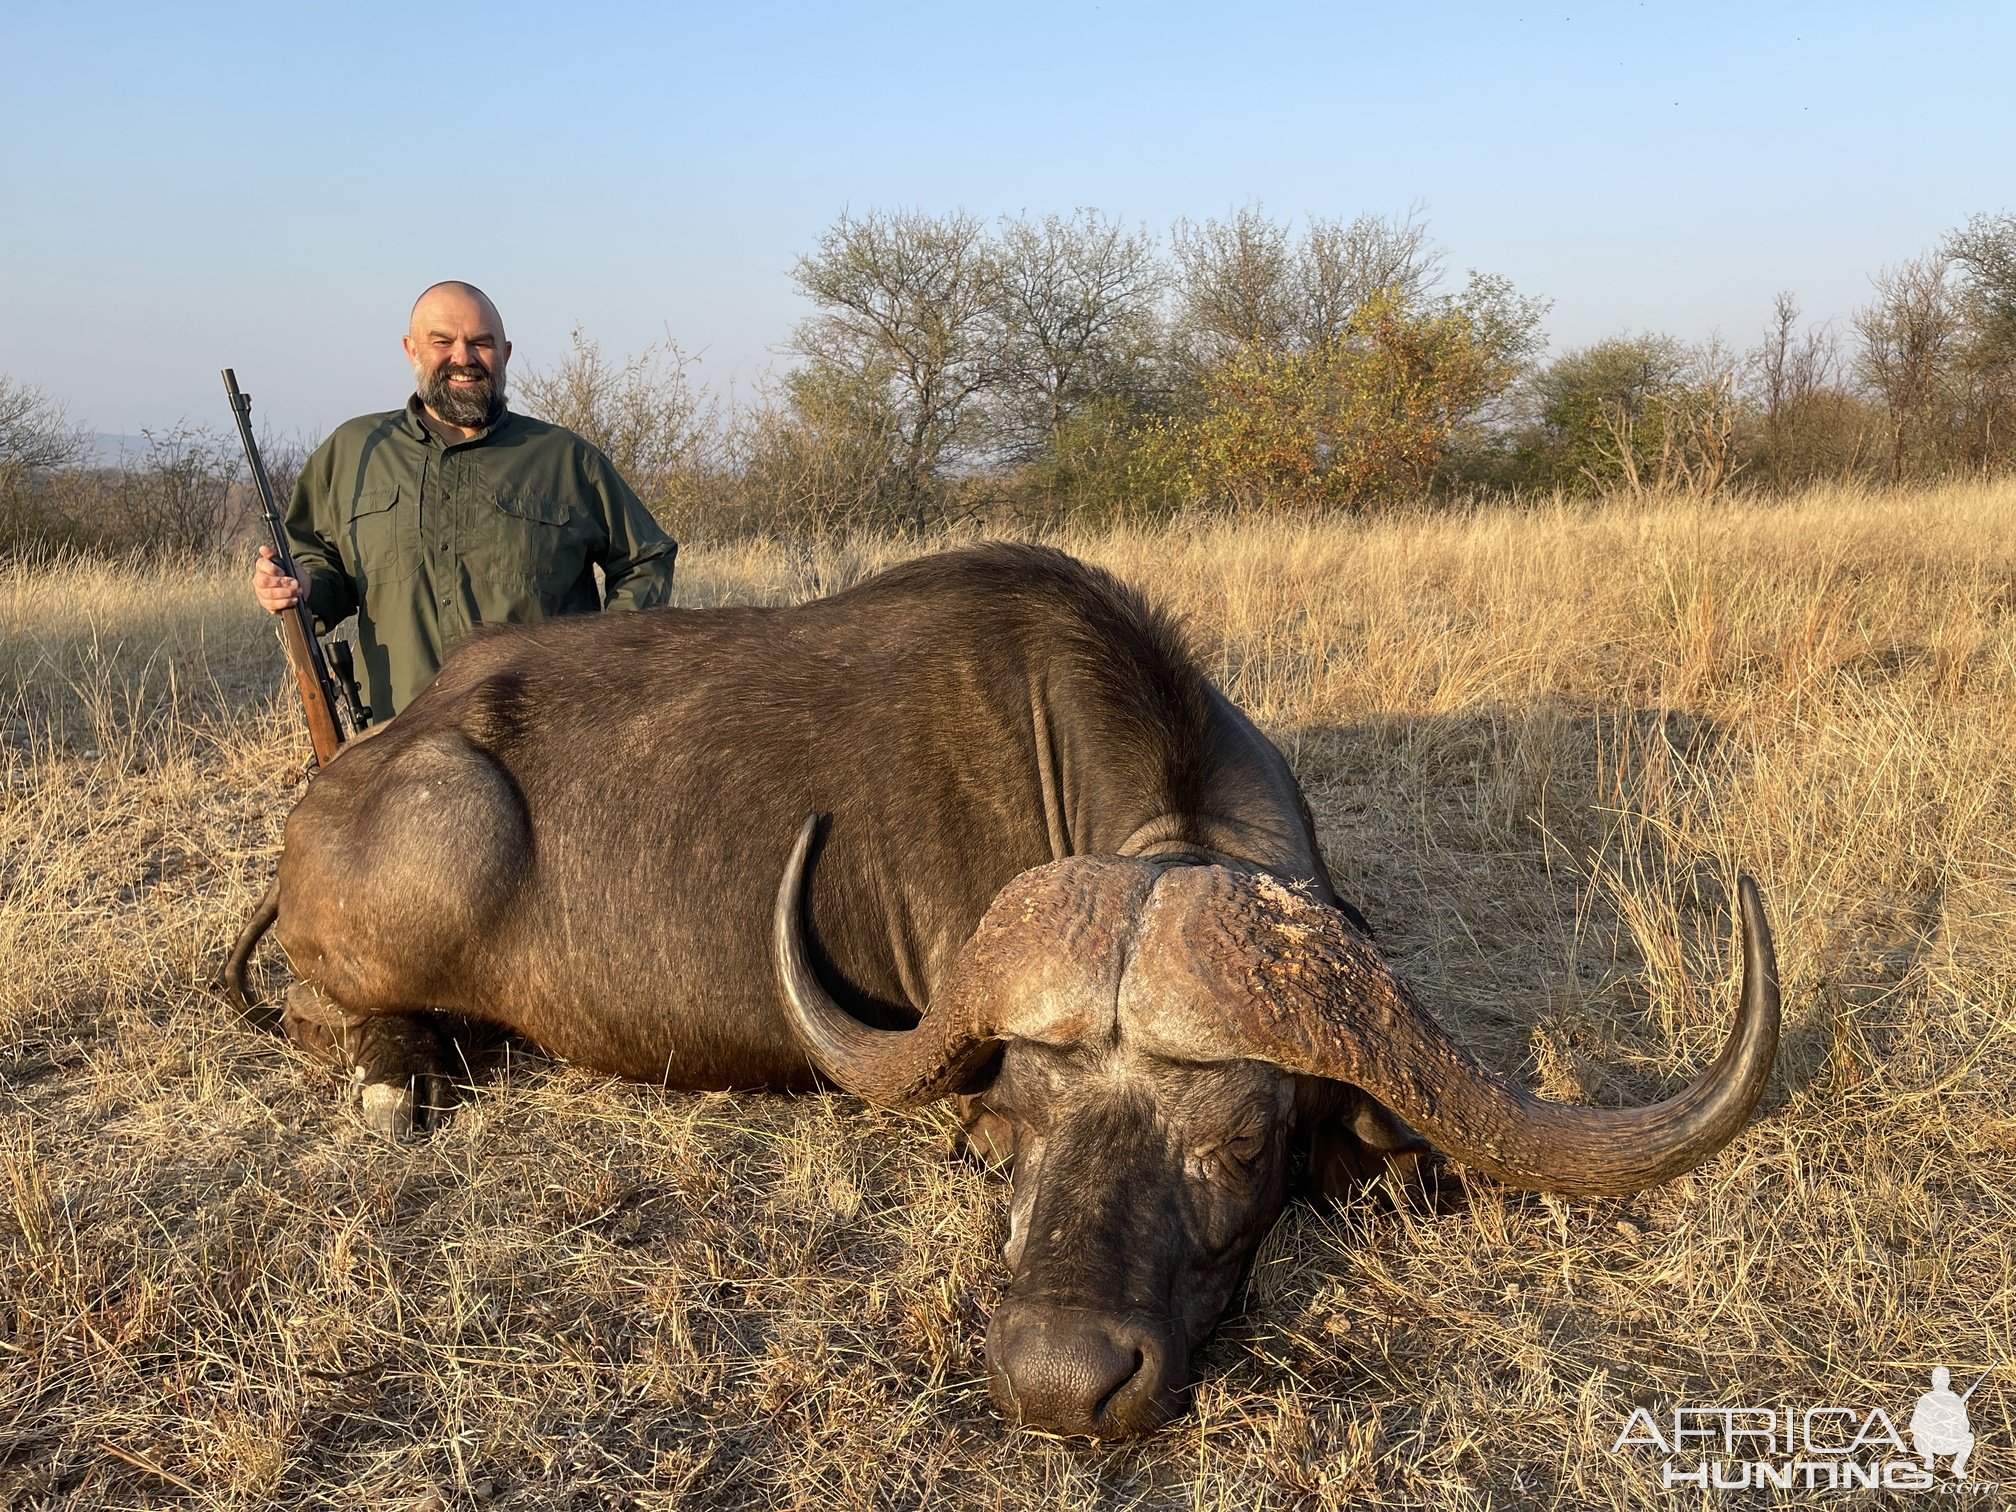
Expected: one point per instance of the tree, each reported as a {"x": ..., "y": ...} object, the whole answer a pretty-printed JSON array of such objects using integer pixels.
[
  {"x": 36, "y": 440},
  {"x": 1911, "y": 341},
  {"x": 909, "y": 303},
  {"x": 1985, "y": 252},
  {"x": 643, "y": 413},
  {"x": 1077, "y": 310},
  {"x": 1110, "y": 461},
  {"x": 1576, "y": 396},
  {"x": 1234, "y": 287},
  {"x": 1644, "y": 414},
  {"x": 1367, "y": 416},
  {"x": 1984, "y": 257},
  {"x": 177, "y": 496},
  {"x": 1790, "y": 369},
  {"x": 821, "y": 456},
  {"x": 1343, "y": 266},
  {"x": 1809, "y": 424},
  {"x": 1506, "y": 322},
  {"x": 34, "y": 431},
  {"x": 1246, "y": 282}
]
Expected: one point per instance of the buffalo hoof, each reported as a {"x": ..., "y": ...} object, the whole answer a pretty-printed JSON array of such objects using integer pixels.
[
  {"x": 390, "y": 1110},
  {"x": 403, "y": 1108}
]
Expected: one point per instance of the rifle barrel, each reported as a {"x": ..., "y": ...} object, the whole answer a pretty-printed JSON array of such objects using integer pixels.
[
  {"x": 269, "y": 506},
  {"x": 1979, "y": 1379},
  {"x": 297, "y": 625}
]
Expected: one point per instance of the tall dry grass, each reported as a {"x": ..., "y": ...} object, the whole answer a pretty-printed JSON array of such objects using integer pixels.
[{"x": 1539, "y": 747}]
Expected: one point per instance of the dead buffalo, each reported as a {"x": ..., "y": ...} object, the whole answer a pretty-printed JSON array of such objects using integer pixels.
[{"x": 1059, "y": 876}]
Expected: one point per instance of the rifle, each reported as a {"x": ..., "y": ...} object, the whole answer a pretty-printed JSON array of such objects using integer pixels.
[
  {"x": 1977, "y": 1385},
  {"x": 319, "y": 691}
]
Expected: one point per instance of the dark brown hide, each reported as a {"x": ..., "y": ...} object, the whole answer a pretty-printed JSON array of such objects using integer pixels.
[{"x": 575, "y": 831}]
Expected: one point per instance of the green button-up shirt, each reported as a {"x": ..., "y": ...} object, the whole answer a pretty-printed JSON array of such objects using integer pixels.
[{"x": 424, "y": 539}]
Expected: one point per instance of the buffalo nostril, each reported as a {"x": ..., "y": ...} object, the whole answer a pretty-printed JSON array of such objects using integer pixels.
[
  {"x": 1102, "y": 1410},
  {"x": 1078, "y": 1371}
]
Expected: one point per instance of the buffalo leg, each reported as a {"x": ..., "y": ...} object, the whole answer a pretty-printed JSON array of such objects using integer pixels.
[
  {"x": 403, "y": 1064},
  {"x": 401, "y": 862}
]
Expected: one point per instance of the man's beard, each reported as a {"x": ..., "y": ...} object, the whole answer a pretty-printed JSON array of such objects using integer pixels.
[{"x": 471, "y": 405}]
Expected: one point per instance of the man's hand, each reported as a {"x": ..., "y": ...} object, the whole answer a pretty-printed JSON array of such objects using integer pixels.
[{"x": 276, "y": 592}]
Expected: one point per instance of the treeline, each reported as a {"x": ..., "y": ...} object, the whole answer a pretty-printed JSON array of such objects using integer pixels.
[
  {"x": 1073, "y": 368},
  {"x": 179, "y": 489}
]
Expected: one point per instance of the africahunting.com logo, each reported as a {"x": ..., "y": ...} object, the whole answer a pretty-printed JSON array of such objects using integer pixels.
[{"x": 1817, "y": 1448}]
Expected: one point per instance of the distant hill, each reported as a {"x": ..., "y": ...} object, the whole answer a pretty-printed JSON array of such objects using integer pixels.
[{"x": 108, "y": 450}]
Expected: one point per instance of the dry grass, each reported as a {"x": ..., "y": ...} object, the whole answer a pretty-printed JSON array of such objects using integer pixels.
[{"x": 1538, "y": 745}]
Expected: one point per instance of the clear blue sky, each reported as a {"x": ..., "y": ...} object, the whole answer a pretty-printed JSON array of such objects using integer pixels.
[{"x": 268, "y": 186}]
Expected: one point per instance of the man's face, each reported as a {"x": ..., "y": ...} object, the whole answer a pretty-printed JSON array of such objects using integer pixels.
[{"x": 458, "y": 351}]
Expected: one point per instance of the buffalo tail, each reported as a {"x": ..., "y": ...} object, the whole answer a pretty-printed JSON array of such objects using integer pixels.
[{"x": 255, "y": 928}]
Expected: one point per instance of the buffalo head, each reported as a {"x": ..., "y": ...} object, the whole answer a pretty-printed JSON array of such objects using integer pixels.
[{"x": 1164, "y": 1027}]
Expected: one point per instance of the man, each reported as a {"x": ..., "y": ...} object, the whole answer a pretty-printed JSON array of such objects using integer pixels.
[{"x": 454, "y": 512}]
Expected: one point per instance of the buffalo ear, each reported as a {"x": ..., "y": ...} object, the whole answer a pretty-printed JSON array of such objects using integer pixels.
[
  {"x": 984, "y": 1137},
  {"x": 1360, "y": 1140}
]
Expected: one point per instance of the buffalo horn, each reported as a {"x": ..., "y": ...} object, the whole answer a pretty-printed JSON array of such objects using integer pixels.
[
  {"x": 1299, "y": 988},
  {"x": 899, "y": 1067}
]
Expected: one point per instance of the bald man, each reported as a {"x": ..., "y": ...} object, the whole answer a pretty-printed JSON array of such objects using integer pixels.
[{"x": 454, "y": 512}]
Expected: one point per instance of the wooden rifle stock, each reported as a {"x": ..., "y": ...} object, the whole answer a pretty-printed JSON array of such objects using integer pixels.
[
  {"x": 297, "y": 625},
  {"x": 303, "y": 656}
]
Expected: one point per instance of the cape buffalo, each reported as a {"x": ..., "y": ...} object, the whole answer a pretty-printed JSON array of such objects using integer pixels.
[{"x": 1059, "y": 875}]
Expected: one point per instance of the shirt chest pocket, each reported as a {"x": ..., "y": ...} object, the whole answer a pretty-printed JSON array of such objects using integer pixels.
[
  {"x": 530, "y": 539},
  {"x": 383, "y": 541}
]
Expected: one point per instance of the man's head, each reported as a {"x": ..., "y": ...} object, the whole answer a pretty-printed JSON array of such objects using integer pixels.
[
  {"x": 1942, "y": 1378},
  {"x": 456, "y": 344}
]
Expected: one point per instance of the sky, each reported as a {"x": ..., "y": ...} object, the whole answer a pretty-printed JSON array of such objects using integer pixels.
[{"x": 267, "y": 187}]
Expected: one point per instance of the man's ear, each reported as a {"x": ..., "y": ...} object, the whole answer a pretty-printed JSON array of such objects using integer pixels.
[
  {"x": 984, "y": 1137},
  {"x": 1351, "y": 1146}
]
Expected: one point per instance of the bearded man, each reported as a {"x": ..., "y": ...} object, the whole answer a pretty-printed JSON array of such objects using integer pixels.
[{"x": 453, "y": 512}]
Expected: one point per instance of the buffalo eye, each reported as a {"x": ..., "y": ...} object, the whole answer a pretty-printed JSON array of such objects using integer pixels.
[{"x": 1233, "y": 1159}]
